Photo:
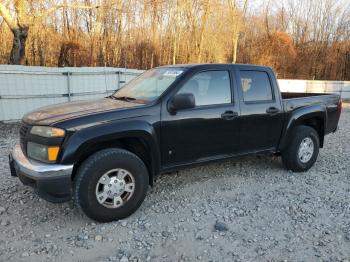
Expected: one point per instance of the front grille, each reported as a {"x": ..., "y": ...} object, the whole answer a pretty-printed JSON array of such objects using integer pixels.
[{"x": 23, "y": 132}]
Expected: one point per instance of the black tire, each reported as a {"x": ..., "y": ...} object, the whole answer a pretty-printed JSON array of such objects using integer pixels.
[
  {"x": 90, "y": 172},
  {"x": 290, "y": 155}
]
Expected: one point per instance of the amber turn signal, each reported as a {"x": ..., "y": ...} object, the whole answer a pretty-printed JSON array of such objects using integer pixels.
[
  {"x": 57, "y": 132},
  {"x": 52, "y": 153}
]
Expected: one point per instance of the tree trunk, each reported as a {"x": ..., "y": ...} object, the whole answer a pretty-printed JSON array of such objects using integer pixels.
[
  {"x": 235, "y": 46},
  {"x": 63, "y": 57},
  {"x": 20, "y": 35},
  {"x": 202, "y": 29},
  {"x": 174, "y": 50}
]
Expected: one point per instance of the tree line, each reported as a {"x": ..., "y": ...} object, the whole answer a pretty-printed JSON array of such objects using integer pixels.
[{"x": 307, "y": 39}]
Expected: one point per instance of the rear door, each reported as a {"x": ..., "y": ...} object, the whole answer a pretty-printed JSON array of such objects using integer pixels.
[
  {"x": 211, "y": 128},
  {"x": 262, "y": 117}
]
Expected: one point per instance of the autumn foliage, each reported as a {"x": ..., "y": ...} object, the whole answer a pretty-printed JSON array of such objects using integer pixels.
[
  {"x": 300, "y": 39},
  {"x": 278, "y": 51}
]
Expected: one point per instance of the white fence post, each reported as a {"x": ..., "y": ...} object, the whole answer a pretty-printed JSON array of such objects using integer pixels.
[
  {"x": 68, "y": 86},
  {"x": 118, "y": 72}
]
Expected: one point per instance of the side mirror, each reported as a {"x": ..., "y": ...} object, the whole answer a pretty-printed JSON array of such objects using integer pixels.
[{"x": 181, "y": 101}]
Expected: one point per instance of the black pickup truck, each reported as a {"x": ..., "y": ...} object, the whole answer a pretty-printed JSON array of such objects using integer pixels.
[{"x": 105, "y": 153}]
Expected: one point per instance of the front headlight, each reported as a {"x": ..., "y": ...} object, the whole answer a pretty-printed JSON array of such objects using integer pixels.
[
  {"x": 42, "y": 152},
  {"x": 47, "y": 131}
]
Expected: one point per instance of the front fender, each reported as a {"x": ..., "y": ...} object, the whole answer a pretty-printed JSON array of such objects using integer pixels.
[
  {"x": 80, "y": 141},
  {"x": 300, "y": 116}
]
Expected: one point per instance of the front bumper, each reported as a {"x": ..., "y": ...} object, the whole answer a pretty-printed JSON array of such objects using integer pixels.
[{"x": 52, "y": 181}]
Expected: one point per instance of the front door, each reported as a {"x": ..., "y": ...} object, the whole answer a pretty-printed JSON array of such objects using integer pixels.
[{"x": 207, "y": 131}]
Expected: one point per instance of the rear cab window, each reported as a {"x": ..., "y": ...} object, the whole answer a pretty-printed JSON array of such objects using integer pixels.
[{"x": 256, "y": 86}]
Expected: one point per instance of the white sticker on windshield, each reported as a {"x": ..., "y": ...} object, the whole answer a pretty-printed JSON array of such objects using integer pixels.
[{"x": 173, "y": 73}]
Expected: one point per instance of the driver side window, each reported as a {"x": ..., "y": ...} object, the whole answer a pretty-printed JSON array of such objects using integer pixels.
[{"x": 209, "y": 88}]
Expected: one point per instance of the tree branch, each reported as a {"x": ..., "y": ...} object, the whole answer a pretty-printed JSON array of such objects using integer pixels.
[
  {"x": 6, "y": 15},
  {"x": 55, "y": 8}
]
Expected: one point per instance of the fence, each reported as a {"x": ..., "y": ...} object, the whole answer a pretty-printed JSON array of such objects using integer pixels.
[
  {"x": 23, "y": 88},
  {"x": 316, "y": 86}
]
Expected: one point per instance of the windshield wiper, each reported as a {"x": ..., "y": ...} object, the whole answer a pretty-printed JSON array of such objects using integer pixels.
[{"x": 123, "y": 98}]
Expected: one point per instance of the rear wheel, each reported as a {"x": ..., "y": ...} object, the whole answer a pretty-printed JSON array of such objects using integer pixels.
[
  {"x": 302, "y": 152},
  {"x": 111, "y": 185}
]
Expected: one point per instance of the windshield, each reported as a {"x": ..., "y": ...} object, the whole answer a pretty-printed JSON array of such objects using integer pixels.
[{"x": 149, "y": 85}]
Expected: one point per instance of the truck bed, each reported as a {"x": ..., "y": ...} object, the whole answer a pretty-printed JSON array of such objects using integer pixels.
[
  {"x": 300, "y": 95},
  {"x": 295, "y": 101}
]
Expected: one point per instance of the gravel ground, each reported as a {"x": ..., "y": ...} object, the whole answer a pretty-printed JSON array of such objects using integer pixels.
[{"x": 239, "y": 210}]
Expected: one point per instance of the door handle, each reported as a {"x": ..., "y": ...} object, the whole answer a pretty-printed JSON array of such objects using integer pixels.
[
  {"x": 229, "y": 115},
  {"x": 272, "y": 110}
]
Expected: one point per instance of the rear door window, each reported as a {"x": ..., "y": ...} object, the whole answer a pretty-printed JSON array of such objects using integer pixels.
[{"x": 256, "y": 86}]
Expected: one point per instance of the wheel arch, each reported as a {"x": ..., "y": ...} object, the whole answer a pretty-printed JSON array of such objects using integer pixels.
[
  {"x": 139, "y": 138},
  {"x": 313, "y": 116}
]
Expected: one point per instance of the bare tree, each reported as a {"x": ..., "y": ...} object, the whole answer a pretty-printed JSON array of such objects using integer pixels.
[
  {"x": 22, "y": 21},
  {"x": 299, "y": 38},
  {"x": 237, "y": 17}
]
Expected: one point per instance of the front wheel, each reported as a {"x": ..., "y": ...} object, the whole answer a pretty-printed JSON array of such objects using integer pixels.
[
  {"x": 111, "y": 185},
  {"x": 302, "y": 152}
]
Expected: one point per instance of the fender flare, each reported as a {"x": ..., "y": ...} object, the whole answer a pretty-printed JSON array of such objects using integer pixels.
[
  {"x": 81, "y": 140},
  {"x": 301, "y": 115}
]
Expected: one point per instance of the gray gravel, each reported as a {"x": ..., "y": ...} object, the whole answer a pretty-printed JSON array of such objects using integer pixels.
[{"x": 239, "y": 210}]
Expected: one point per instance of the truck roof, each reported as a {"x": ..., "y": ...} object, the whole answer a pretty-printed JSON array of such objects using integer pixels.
[{"x": 247, "y": 66}]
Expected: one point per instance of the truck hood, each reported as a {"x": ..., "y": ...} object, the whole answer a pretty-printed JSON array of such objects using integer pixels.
[{"x": 56, "y": 113}]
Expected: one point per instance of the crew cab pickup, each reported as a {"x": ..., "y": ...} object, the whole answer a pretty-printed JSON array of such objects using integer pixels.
[{"x": 105, "y": 153}]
